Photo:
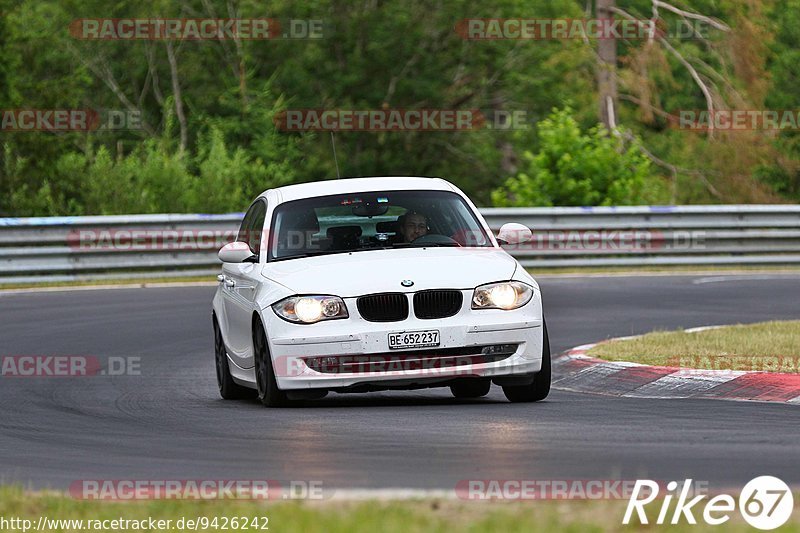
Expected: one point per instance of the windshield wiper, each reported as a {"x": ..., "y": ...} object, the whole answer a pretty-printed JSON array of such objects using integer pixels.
[
  {"x": 433, "y": 244},
  {"x": 304, "y": 254}
]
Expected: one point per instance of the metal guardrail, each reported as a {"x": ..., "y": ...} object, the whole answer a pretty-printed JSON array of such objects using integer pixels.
[{"x": 96, "y": 247}]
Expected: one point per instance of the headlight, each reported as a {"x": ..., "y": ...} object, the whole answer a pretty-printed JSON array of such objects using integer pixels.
[
  {"x": 310, "y": 309},
  {"x": 504, "y": 295}
]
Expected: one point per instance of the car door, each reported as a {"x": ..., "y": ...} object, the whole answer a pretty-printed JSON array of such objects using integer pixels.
[
  {"x": 239, "y": 287},
  {"x": 224, "y": 280}
]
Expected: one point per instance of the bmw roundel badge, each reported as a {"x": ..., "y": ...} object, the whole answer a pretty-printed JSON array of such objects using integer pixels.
[{"x": 406, "y": 283}]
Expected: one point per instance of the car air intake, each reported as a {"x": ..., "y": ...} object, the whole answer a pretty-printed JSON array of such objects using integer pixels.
[
  {"x": 437, "y": 303},
  {"x": 415, "y": 360},
  {"x": 384, "y": 307}
]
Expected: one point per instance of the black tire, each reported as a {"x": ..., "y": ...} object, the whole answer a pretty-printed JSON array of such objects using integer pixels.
[
  {"x": 228, "y": 389},
  {"x": 540, "y": 388},
  {"x": 471, "y": 388},
  {"x": 268, "y": 392}
]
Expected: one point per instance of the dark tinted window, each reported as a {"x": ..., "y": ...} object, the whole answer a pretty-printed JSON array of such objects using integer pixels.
[
  {"x": 248, "y": 217},
  {"x": 357, "y": 222},
  {"x": 256, "y": 227},
  {"x": 253, "y": 226}
]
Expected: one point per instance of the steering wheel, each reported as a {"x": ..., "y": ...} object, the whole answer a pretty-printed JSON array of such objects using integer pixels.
[{"x": 435, "y": 238}]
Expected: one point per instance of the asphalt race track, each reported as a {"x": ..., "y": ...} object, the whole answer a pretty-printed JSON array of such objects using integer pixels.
[{"x": 169, "y": 422}]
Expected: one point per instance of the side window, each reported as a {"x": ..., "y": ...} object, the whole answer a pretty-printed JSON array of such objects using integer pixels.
[
  {"x": 246, "y": 221},
  {"x": 255, "y": 227}
]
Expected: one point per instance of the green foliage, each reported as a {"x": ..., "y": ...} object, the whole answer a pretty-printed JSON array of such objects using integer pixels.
[
  {"x": 151, "y": 179},
  {"x": 573, "y": 167},
  {"x": 783, "y": 173},
  {"x": 374, "y": 55}
]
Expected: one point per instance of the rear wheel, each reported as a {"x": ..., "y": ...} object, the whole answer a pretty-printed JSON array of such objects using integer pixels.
[
  {"x": 228, "y": 389},
  {"x": 471, "y": 388},
  {"x": 268, "y": 392},
  {"x": 540, "y": 388}
]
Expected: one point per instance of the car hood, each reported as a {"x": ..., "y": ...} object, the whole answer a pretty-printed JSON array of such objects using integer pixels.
[{"x": 354, "y": 274}]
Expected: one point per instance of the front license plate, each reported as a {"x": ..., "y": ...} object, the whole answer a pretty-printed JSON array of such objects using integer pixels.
[{"x": 414, "y": 339}]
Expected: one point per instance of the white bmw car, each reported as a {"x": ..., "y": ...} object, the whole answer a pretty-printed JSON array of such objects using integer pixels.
[{"x": 368, "y": 284}]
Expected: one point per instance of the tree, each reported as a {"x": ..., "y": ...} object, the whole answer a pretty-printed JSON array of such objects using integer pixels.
[{"x": 573, "y": 167}]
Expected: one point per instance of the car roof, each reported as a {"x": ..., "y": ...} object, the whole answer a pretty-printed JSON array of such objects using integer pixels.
[{"x": 356, "y": 185}]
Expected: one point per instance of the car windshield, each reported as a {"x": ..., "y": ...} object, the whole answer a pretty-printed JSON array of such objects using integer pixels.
[{"x": 373, "y": 220}]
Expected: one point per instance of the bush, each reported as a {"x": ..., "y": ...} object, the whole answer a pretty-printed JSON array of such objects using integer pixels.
[
  {"x": 577, "y": 168},
  {"x": 154, "y": 178}
]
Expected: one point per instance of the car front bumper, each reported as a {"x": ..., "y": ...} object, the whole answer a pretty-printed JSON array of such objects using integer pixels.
[{"x": 354, "y": 338}]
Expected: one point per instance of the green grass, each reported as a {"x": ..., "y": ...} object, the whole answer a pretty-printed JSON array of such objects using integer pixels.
[
  {"x": 766, "y": 346},
  {"x": 446, "y": 516}
]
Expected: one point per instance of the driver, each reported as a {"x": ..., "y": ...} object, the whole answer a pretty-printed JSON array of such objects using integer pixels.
[{"x": 412, "y": 225}]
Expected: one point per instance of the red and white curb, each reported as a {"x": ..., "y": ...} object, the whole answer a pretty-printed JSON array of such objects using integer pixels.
[{"x": 576, "y": 371}]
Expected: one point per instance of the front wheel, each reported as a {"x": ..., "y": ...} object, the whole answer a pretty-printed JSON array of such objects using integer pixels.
[
  {"x": 540, "y": 388},
  {"x": 228, "y": 389},
  {"x": 268, "y": 392}
]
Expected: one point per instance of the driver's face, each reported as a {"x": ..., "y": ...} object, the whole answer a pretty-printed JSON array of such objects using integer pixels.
[{"x": 415, "y": 226}]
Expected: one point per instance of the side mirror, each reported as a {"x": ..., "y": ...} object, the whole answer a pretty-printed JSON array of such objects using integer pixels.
[
  {"x": 235, "y": 252},
  {"x": 513, "y": 233}
]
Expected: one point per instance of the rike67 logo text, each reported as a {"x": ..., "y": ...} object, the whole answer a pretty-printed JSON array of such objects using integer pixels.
[{"x": 765, "y": 503}]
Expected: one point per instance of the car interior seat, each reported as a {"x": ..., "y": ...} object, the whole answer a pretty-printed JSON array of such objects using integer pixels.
[{"x": 344, "y": 237}]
